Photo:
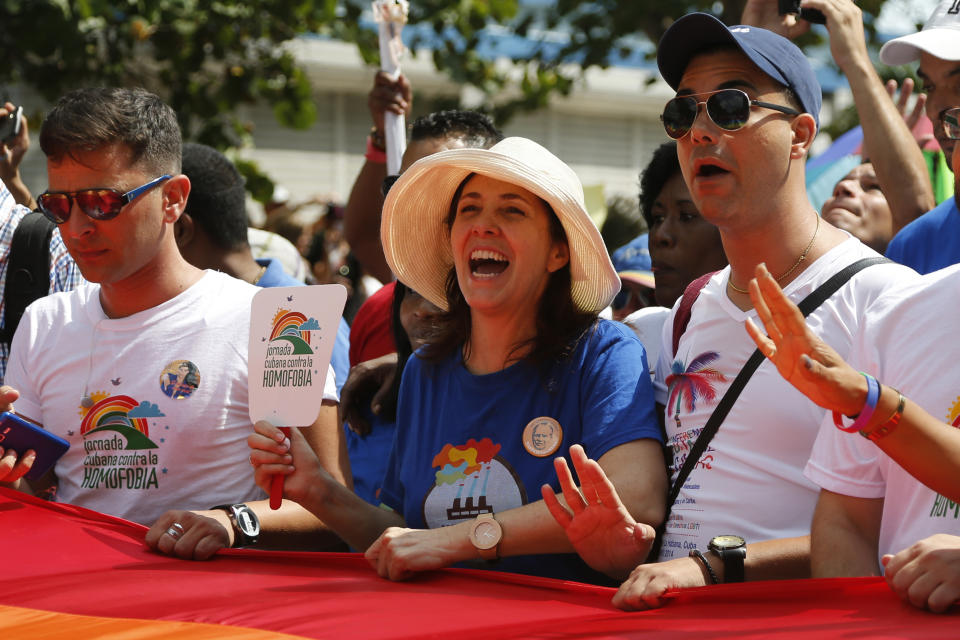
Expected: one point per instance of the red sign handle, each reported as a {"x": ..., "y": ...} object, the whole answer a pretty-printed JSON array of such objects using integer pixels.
[{"x": 276, "y": 483}]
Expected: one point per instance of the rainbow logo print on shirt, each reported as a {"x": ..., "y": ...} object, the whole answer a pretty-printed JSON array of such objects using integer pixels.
[
  {"x": 294, "y": 328},
  {"x": 125, "y": 416},
  {"x": 944, "y": 507},
  {"x": 116, "y": 439},
  {"x": 953, "y": 417}
]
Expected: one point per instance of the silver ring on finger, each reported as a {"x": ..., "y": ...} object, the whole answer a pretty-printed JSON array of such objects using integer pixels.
[{"x": 175, "y": 530}]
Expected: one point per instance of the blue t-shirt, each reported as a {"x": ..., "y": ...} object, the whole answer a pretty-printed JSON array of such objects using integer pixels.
[
  {"x": 340, "y": 359},
  {"x": 275, "y": 276},
  {"x": 369, "y": 455},
  {"x": 469, "y": 444},
  {"x": 931, "y": 242}
]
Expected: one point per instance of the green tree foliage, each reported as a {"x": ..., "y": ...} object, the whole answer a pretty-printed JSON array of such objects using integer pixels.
[
  {"x": 208, "y": 57},
  {"x": 596, "y": 30},
  {"x": 205, "y": 58}
]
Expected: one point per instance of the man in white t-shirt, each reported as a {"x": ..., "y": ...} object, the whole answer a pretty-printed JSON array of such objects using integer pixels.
[
  {"x": 744, "y": 118},
  {"x": 143, "y": 372},
  {"x": 870, "y": 506}
]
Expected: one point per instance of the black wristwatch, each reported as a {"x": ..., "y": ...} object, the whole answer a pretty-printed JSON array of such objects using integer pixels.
[
  {"x": 246, "y": 525},
  {"x": 732, "y": 551}
]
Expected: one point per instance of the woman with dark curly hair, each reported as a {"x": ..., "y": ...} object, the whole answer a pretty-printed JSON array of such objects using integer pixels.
[{"x": 683, "y": 246}]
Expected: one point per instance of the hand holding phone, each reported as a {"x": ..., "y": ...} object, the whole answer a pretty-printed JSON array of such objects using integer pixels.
[
  {"x": 793, "y": 6},
  {"x": 10, "y": 125},
  {"x": 21, "y": 436}
]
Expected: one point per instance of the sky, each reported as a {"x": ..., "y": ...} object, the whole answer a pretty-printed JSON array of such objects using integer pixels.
[{"x": 900, "y": 17}]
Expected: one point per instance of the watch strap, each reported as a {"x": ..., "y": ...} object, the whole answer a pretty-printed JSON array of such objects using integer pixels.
[
  {"x": 490, "y": 554},
  {"x": 733, "y": 560}
]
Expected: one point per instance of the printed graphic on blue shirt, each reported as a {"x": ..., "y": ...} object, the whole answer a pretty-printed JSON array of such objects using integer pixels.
[{"x": 471, "y": 479}]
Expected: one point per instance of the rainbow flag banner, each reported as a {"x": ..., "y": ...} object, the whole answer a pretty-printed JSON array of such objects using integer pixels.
[{"x": 73, "y": 573}]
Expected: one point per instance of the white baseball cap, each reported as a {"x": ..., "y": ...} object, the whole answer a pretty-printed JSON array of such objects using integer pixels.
[{"x": 940, "y": 37}]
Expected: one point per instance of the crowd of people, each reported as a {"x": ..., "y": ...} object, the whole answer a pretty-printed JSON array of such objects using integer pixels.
[{"x": 712, "y": 414}]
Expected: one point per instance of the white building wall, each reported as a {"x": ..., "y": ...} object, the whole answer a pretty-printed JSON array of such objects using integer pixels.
[{"x": 606, "y": 130}]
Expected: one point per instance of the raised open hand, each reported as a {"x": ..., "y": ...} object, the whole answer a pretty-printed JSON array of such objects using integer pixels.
[
  {"x": 597, "y": 524},
  {"x": 802, "y": 358}
]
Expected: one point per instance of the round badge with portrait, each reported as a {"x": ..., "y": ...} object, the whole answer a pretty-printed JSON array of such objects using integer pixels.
[
  {"x": 180, "y": 379},
  {"x": 542, "y": 436}
]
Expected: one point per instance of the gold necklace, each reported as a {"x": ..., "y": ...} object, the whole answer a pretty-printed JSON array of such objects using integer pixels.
[
  {"x": 263, "y": 270},
  {"x": 803, "y": 256}
]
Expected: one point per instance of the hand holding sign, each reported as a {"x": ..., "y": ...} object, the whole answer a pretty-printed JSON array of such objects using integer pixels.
[{"x": 292, "y": 332}]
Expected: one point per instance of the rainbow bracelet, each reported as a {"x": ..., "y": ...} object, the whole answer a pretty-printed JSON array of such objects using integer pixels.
[
  {"x": 873, "y": 396},
  {"x": 888, "y": 425}
]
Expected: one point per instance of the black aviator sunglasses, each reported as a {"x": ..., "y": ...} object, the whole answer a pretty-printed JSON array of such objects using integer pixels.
[{"x": 729, "y": 109}]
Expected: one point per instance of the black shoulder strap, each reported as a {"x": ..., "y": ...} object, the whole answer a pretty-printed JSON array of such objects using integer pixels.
[
  {"x": 807, "y": 306},
  {"x": 28, "y": 270}
]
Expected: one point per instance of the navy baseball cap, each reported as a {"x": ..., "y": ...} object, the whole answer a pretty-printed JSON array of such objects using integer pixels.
[
  {"x": 775, "y": 55},
  {"x": 632, "y": 263}
]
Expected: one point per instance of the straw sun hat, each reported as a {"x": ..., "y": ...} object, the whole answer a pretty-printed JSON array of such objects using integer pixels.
[{"x": 416, "y": 241}]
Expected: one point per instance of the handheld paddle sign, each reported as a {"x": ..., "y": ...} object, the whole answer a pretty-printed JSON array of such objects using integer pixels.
[{"x": 292, "y": 332}]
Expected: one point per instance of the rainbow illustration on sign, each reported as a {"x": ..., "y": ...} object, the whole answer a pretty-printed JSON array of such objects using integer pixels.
[
  {"x": 295, "y": 328},
  {"x": 125, "y": 416}
]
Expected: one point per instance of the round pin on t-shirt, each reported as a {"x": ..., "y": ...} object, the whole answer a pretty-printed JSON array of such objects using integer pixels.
[{"x": 542, "y": 436}]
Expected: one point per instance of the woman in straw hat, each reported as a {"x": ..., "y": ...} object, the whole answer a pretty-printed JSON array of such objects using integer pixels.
[{"x": 500, "y": 240}]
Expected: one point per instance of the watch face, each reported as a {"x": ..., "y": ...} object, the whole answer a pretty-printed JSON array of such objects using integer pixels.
[
  {"x": 727, "y": 542},
  {"x": 247, "y": 522},
  {"x": 486, "y": 535}
]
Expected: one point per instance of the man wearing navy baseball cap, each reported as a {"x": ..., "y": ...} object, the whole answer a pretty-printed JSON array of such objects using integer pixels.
[{"x": 745, "y": 114}]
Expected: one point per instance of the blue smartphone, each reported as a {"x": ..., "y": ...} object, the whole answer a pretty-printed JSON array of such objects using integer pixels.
[{"x": 20, "y": 435}]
